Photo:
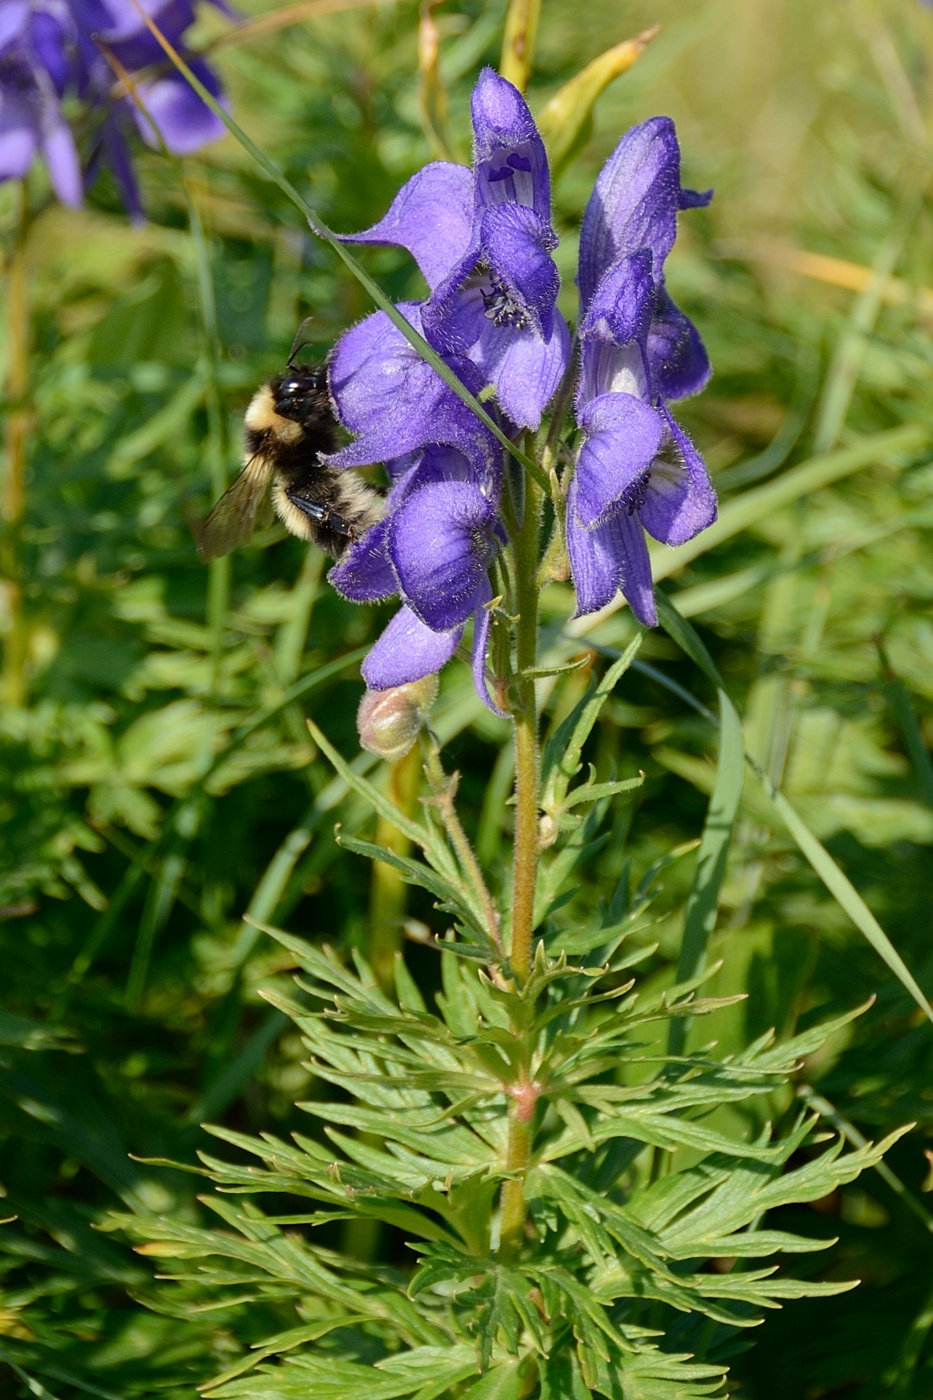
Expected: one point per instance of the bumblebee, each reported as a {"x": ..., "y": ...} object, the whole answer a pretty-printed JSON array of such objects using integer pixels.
[{"x": 288, "y": 424}]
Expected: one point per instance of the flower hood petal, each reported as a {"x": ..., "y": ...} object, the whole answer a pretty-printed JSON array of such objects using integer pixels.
[
  {"x": 509, "y": 159},
  {"x": 635, "y": 202}
]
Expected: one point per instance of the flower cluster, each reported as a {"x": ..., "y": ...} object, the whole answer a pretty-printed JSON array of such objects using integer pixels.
[
  {"x": 56, "y": 87},
  {"x": 483, "y": 239}
]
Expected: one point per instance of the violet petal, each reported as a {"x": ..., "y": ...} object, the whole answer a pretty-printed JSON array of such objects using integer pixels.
[
  {"x": 184, "y": 122},
  {"x": 406, "y": 651},
  {"x": 61, "y": 157},
  {"x": 679, "y": 363},
  {"x": 623, "y": 437},
  {"x": 517, "y": 245},
  {"x": 365, "y": 573},
  {"x": 524, "y": 369},
  {"x": 680, "y": 500},
  {"x": 441, "y": 540},
  {"x": 613, "y": 556},
  {"x": 431, "y": 216}
]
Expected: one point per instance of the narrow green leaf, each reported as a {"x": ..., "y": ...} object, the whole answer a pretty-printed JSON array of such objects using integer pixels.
[
  {"x": 703, "y": 900},
  {"x": 561, "y": 759},
  {"x": 838, "y": 884}
]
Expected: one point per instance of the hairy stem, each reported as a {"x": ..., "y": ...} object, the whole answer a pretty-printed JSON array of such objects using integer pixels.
[
  {"x": 512, "y": 1215},
  {"x": 444, "y": 788},
  {"x": 525, "y": 870},
  {"x": 17, "y": 437},
  {"x": 525, "y": 718}
]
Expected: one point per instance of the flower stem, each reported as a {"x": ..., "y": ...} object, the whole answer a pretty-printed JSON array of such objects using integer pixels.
[
  {"x": 13, "y": 688},
  {"x": 525, "y": 869},
  {"x": 444, "y": 788},
  {"x": 525, "y": 717}
]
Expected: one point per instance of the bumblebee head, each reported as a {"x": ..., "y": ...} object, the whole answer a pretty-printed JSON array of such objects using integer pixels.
[{"x": 300, "y": 395}]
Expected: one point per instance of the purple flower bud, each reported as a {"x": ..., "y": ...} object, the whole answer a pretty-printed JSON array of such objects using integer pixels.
[{"x": 389, "y": 721}]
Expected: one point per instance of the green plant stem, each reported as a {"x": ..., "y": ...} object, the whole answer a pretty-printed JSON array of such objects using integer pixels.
[
  {"x": 13, "y": 689},
  {"x": 527, "y": 845},
  {"x": 388, "y": 894},
  {"x": 525, "y": 718},
  {"x": 512, "y": 1214},
  {"x": 219, "y": 572},
  {"x": 444, "y": 788}
]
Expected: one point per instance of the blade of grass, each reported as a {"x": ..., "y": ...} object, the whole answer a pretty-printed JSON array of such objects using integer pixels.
[
  {"x": 846, "y": 364},
  {"x": 838, "y": 884},
  {"x": 703, "y": 900},
  {"x": 898, "y": 698}
]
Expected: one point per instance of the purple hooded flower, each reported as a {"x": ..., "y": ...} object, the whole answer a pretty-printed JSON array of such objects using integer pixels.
[
  {"x": 483, "y": 240},
  {"x": 434, "y": 549},
  {"x": 34, "y": 69},
  {"x": 55, "y": 49},
  {"x": 637, "y": 469}
]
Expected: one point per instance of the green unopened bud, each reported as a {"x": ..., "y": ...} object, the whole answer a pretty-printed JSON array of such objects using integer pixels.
[{"x": 389, "y": 721}]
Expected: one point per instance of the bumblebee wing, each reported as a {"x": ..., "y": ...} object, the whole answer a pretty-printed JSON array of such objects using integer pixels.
[{"x": 233, "y": 518}]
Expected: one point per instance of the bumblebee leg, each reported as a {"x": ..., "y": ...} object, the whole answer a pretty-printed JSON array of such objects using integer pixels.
[{"x": 322, "y": 515}]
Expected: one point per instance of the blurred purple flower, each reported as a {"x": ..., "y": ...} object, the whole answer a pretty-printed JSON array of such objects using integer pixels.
[
  {"x": 483, "y": 240},
  {"x": 637, "y": 469},
  {"x": 34, "y": 71},
  {"x": 55, "y": 49}
]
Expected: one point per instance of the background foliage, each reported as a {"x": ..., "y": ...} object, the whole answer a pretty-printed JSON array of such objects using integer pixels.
[{"x": 160, "y": 781}]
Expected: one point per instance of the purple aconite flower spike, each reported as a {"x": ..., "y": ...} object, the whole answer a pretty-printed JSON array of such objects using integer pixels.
[{"x": 637, "y": 469}]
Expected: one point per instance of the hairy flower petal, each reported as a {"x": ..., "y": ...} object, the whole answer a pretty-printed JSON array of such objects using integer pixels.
[
  {"x": 680, "y": 500},
  {"x": 679, "y": 362},
  {"x": 365, "y": 573},
  {"x": 431, "y": 216},
  {"x": 406, "y": 651},
  {"x": 385, "y": 392},
  {"x": 623, "y": 437},
  {"x": 611, "y": 557},
  {"x": 441, "y": 541},
  {"x": 524, "y": 369}
]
